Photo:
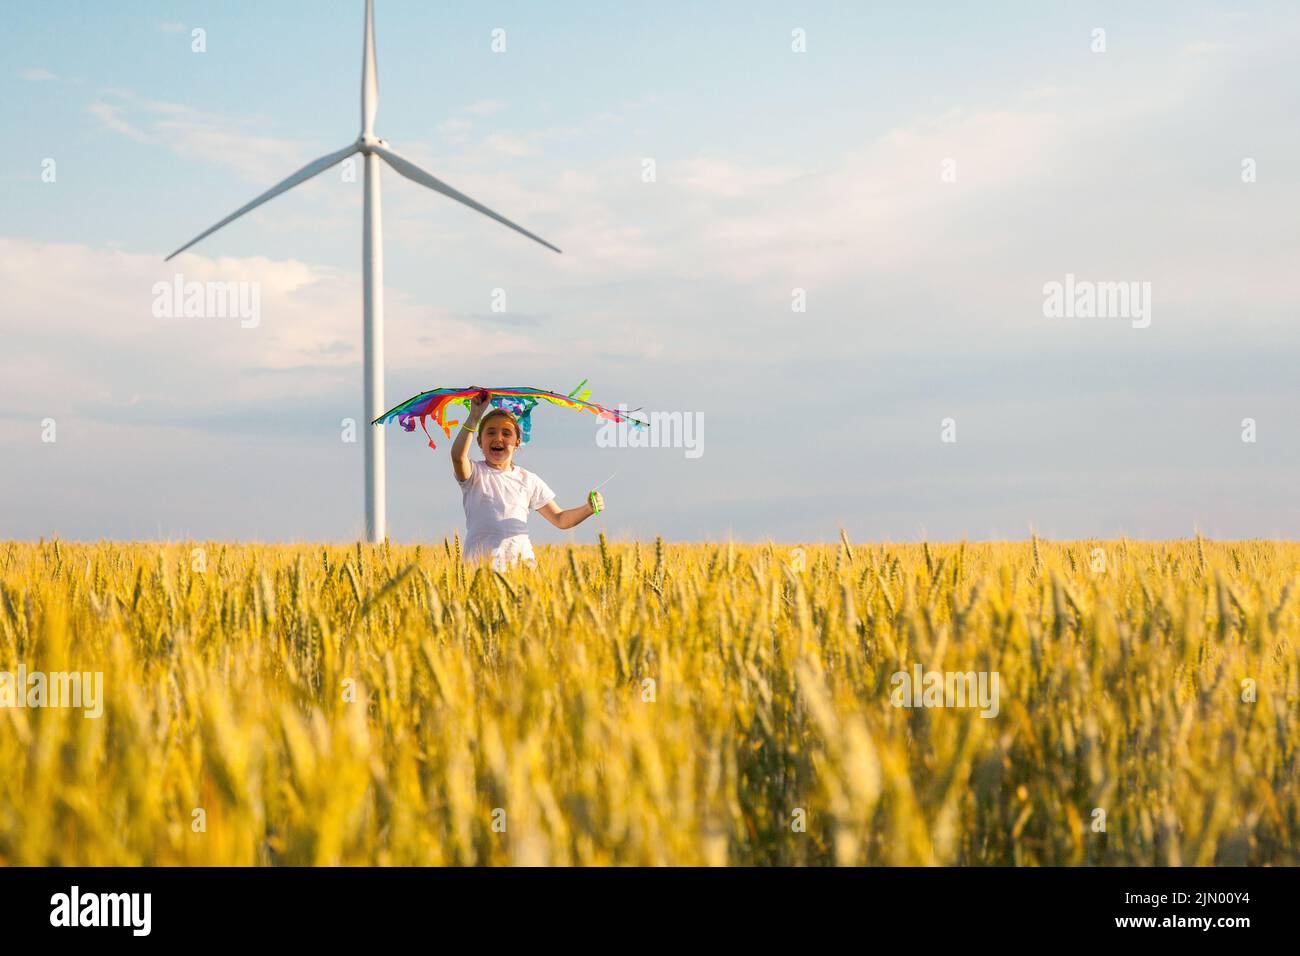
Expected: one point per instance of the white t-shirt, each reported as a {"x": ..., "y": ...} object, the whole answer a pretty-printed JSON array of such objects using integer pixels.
[{"x": 496, "y": 512}]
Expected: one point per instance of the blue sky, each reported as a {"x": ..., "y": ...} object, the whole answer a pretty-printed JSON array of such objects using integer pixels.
[{"x": 775, "y": 170}]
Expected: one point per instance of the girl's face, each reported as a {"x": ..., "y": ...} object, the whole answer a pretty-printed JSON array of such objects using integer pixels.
[{"x": 498, "y": 441}]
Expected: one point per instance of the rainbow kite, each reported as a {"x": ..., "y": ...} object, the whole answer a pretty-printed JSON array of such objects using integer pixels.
[{"x": 518, "y": 401}]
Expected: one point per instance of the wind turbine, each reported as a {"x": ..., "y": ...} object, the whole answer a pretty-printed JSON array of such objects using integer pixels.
[{"x": 372, "y": 258}]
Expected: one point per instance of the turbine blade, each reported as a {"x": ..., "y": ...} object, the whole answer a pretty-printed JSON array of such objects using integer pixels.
[
  {"x": 369, "y": 75},
  {"x": 301, "y": 176},
  {"x": 418, "y": 175}
]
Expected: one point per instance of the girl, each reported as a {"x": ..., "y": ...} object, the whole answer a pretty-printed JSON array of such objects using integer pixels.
[{"x": 498, "y": 494}]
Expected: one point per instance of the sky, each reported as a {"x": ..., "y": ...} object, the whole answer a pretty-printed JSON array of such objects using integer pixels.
[{"x": 824, "y": 232}]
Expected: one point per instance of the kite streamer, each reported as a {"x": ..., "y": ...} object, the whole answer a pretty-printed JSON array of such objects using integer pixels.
[{"x": 518, "y": 401}]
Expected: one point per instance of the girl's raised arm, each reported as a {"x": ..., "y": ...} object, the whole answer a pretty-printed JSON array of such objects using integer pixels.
[{"x": 460, "y": 447}]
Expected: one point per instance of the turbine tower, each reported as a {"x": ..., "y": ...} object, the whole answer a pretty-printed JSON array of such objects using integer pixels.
[{"x": 372, "y": 149}]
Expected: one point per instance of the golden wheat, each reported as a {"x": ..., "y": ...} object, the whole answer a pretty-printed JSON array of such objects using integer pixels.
[{"x": 672, "y": 704}]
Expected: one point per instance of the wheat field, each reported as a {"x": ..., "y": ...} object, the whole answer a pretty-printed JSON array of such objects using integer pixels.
[{"x": 653, "y": 704}]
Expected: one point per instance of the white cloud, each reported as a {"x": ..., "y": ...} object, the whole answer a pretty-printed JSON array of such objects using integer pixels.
[
  {"x": 728, "y": 179},
  {"x": 37, "y": 75},
  {"x": 1206, "y": 47},
  {"x": 508, "y": 145},
  {"x": 455, "y": 130},
  {"x": 205, "y": 137},
  {"x": 485, "y": 108},
  {"x": 307, "y": 341},
  {"x": 110, "y": 115}
]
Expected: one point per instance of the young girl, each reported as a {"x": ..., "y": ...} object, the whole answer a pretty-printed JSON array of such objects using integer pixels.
[{"x": 498, "y": 494}]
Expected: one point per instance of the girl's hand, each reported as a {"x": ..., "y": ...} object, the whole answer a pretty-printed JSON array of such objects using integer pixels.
[
  {"x": 597, "y": 502},
  {"x": 478, "y": 406}
]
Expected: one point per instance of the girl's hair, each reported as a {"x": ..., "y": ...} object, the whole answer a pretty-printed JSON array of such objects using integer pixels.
[{"x": 499, "y": 413}]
